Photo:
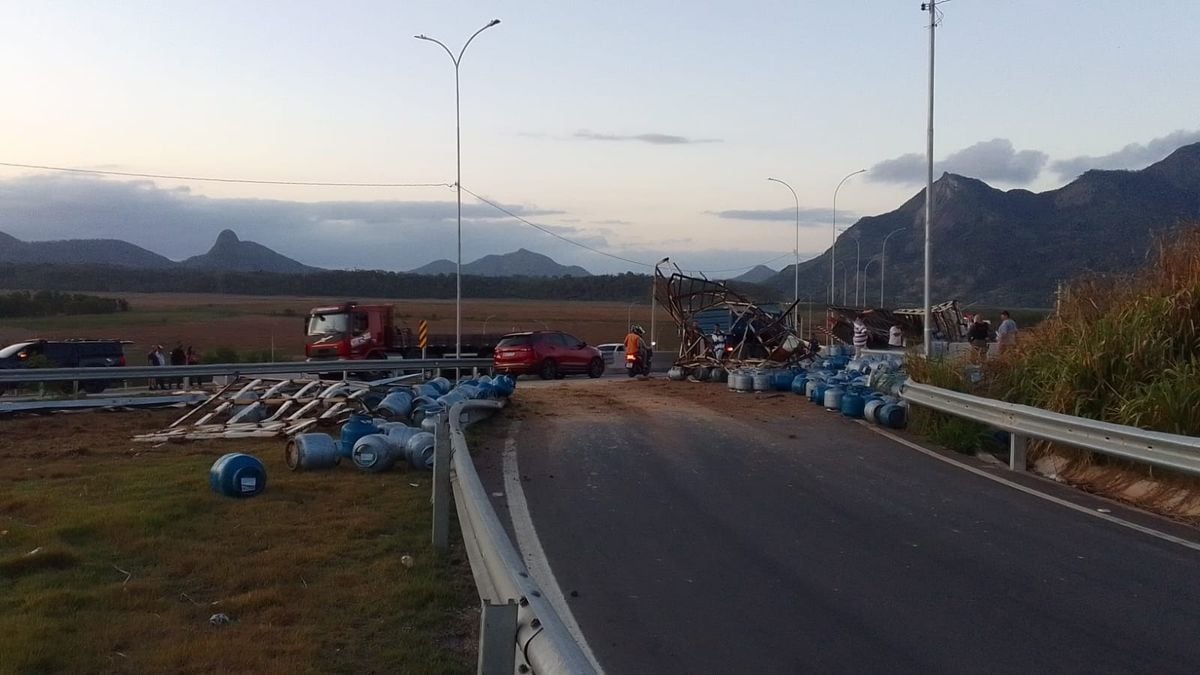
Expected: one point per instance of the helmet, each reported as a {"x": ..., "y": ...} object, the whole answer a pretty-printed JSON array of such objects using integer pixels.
[{"x": 639, "y": 330}]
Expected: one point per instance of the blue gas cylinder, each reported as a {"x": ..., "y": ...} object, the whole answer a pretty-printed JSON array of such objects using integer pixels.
[
  {"x": 355, "y": 428},
  {"x": 237, "y": 475},
  {"x": 398, "y": 403},
  {"x": 852, "y": 404},
  {"x": 891, "y": 416},
  {"x": 505, "y": 385},
  {"x": 818, "y": 393},
  {"x": 442, "y": 384},
  {"x": 799, "y": 384},
  {"x": 833, "y": 398}
]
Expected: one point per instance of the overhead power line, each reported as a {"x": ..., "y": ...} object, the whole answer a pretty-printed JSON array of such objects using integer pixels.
[{"x": 211, "y": 179}]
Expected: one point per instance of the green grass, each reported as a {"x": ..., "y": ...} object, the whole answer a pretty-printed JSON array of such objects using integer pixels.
[{"x": 309, "y": 571}]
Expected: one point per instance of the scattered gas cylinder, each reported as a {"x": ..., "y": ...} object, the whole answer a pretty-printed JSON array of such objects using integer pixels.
[
  {"x": 891, "y": 416},
  {"x": 441, "y": 384},
  {"x": 799, "y": 384},
  {"x": 355, "y": 428},
  {"x": 396, "y": 404},
  {"x": 870, "y": 408},
  {"x": 419, "y": 450},
  {"x": 237, "y": 475},
  {"x": 852, "y": 404},
  {"x": 676, "y": 373},
  {"x": 762, "y": 381},
  {"x": 833, "y": 398},
  {"x": 374, "y": 453},
  {"x": 311, "y": 451}
]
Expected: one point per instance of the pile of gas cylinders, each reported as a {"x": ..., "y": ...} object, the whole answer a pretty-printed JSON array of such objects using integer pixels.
[
  {"x": 400, "y": 426},
  {"x": 866, "y": 388}
]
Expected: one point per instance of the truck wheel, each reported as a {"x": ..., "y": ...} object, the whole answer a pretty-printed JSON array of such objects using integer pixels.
[
  {"x": 596, "y": 369},
  {"x": 549, "y": 370}
]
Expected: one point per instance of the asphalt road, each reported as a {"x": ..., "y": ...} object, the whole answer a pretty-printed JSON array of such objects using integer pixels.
[{"x": 691, "y": 541}]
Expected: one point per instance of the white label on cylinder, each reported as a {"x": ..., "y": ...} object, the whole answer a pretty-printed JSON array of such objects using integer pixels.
[
  {"x": 249, "y": 484},
  {"x": 366, "y": 457}
]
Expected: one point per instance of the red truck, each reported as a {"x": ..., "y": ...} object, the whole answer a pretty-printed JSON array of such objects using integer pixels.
[{"x": 354, "y": 331}]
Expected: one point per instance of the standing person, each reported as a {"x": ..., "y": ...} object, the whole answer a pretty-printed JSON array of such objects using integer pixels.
[
  {"x": 895, "y": 336},
  {"x": 860, "y": 336},
  {"x": 157, "y": 358},
  {"x": 178, "y": 358},
  {"x": 1006, "y": 334},
  {"x": 193, "y": 359},
  {"x": 977, "y": 335},
  {"x": 718, "y": 340}
]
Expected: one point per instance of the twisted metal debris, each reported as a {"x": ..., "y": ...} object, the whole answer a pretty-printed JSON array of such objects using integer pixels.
[{"x": 752, "y": 335}]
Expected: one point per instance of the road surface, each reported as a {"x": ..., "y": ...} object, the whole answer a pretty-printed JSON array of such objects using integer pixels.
[{"x": 694, "y": 530}]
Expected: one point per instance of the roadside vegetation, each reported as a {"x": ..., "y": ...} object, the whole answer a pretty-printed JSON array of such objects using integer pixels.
[
  {"x": 54, "y": 303},
  {"x": 1122, "y": 349},
  {"x": 114, "y": 556}
]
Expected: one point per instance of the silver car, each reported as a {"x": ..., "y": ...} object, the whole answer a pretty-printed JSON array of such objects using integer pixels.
[{"x": 613, "y": 353}]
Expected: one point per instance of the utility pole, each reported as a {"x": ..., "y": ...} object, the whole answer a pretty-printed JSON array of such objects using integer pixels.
[{"x": 931, "y": 7}]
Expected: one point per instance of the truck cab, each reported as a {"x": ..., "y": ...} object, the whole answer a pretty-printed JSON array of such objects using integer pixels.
[{"x": 349, "y": 331}]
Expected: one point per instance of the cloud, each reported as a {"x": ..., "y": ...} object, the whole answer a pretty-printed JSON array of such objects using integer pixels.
[
  {"x": 651, "y": 138},
  {"x": 808, "y": 217},
  {"x": 1132, "y": 156},
  {"x": 993, "y": 161}
]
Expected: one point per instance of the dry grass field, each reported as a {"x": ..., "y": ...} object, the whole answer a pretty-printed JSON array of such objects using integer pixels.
[
  {"x": 114, "y": 555},
  {"x": 257, "y": 322}
]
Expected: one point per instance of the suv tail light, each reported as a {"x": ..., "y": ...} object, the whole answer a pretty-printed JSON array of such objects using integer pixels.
[{"x": 121, "y": 361}]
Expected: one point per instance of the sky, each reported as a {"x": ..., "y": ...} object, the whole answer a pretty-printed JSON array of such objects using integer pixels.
[{"x": 637, "y": 129}]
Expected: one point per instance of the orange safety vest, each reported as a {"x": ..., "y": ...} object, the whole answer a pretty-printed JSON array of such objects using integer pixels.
[{"x": 633, "y": 344}]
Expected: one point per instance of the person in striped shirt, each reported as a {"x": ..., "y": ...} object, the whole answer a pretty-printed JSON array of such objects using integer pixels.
[{"x": 860, "y": 336}]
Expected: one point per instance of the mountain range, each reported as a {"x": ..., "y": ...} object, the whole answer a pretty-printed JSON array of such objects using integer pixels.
[
  {"x": 231, "y": 254},
  {"x": 989, "y": 246},
  {"x": 1008, "y": 247},
  {"x": 519, "y": 263},
  {"x": 757, "y": 275}
]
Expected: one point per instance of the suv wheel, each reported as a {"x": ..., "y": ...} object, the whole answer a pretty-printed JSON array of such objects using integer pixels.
[
  {"x": 596, "y": 369},
  {"x": 549, "y": 370}
]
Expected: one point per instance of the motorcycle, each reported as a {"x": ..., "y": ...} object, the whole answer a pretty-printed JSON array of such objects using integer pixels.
[{"x": 637, "y": 364}]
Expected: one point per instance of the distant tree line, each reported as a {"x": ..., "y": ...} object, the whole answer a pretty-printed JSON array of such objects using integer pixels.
[
  {"x": 54, "y": 303},
  {"x": 339, "y": 283}
]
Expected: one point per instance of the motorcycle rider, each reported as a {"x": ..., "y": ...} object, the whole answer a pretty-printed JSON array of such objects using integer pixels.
[{"x": 636, "y": 346}]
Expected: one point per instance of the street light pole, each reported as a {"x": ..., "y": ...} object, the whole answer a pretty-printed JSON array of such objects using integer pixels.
[
  {"x": 629, "y": 314},
  {"x": 796, "y": 251},
  {"x": 458, "y": 179},
  {"x": 485, "y": 322},
  {"x": 931, "y": 6},
  {"x": 653, "y": 301},
  {"x": 857, "y": 260},
  {"x": 833, "y": 246},
  {"x": 883, "y": 263}
]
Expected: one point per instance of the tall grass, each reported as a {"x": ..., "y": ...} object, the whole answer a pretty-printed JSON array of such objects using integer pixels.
[{"x": 1123, "y": 349}]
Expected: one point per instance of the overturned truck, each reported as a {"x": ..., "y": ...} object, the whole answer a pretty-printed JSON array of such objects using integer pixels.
[{"x": 720, "y": 327}]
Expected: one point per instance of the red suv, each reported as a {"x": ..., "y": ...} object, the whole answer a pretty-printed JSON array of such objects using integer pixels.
[{"x": 549, "y": 353}]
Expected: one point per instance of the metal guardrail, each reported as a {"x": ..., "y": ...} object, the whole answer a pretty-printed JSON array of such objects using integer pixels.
[
  {"x": 519, "y": 630},
  {"x": 209, "y": 369},
  {"x": 1169, "y": 451}
]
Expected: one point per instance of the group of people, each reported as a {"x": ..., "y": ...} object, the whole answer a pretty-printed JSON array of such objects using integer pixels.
[
  {"x": 862, "y": 335},
  {"x": 979, "y": 333},
  {"x": 178, "y": 357}
]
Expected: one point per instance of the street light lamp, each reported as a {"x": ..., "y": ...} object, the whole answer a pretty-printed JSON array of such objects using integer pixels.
[
  {"x": 458, "y": 180},
  {"x": 833, "y": 246},
  {"x": 883, "y": 262},
  {"x": 796, "y": 250},
  {"x": 653, "y": 301}
]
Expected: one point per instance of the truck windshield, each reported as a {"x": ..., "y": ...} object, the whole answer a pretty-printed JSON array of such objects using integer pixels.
[{"x": 326, "y": 324}]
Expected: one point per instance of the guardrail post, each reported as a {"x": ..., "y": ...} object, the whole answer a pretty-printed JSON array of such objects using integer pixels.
[
  {"x": 497, "y": 633},
  {"x": 1016, "y": 451},
  {"x": 441, "y": 484}
]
